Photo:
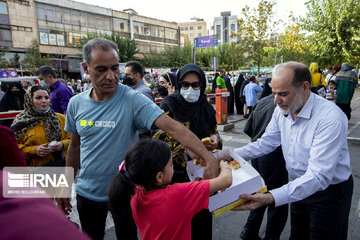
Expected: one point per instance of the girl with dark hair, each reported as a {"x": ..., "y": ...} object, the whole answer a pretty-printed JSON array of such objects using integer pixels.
[
  {"x": 189, "y": 105},
  {"x": 143, "y": 181},
  {"x": 40, "y": 131}
]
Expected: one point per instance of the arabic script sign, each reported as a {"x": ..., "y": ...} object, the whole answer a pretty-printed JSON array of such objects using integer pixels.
[{"x": 206, "y": 41}]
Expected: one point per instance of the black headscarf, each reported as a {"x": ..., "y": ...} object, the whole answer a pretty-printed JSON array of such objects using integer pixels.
[
  {"x": 267, "y": 89},
  {"x": 238, "y": 83},
  {"x": 213, "y": 84},
  {"x": 200, "y": 114},
  {"x": 12, "y": 101},
  {"x": 170, "y": 78}
]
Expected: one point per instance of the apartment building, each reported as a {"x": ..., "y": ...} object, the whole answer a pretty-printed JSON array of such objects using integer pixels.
[
  {"x": 224, "y": 27},
  {"x": 59, "y": 26},
  {"x": 194, "y": 29}
]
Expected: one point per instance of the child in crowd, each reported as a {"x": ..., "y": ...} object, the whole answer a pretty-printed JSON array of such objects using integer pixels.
[
  {"x": 331, "y": 93},
  {"x": 160, "y": 210}
]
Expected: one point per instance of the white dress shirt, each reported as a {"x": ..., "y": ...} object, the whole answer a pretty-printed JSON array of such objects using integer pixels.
[{"x": 314, "y": 145}]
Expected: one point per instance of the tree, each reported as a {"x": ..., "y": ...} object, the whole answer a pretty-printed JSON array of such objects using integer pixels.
[
  {"x": 3, "y": 62},
  {"x": 33, "y": 58},
  {"x": 255, "y": 30},
  {"x": 334, "y": 28},
  {"x": 127, "y": 47},
  {"x": 14, "y": 62},
  {"x": 293, "y": 44}
]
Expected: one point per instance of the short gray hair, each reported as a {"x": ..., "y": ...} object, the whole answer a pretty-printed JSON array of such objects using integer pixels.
[
  {"x": 301, "y": 72},
  {"x": 98, "y": 43}
]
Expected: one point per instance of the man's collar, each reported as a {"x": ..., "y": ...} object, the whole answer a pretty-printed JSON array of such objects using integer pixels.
[
  {"x": 55, "y": 85},
  {"x": 307, "y": 108}
]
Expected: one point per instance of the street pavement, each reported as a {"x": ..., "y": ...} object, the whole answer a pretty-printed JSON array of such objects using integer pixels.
[{"x": 229, "y": 225}]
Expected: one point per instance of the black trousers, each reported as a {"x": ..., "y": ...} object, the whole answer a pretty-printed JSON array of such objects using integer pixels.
[
  {"x": 201, "y": 226},
  {"x": 323, "y": 215},
  {"x": 346, "y": 109},
  {"x": 239, "y": 105},
  {"x": 272, "y": 169},
  {"x": 230, "y": 104},
  {"x": 93, "y": 218}
]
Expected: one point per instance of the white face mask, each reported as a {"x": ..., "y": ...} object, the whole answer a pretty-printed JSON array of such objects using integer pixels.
[{"x": 190, "y": 95}]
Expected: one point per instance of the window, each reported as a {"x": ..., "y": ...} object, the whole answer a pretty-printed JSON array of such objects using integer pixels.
[
  {"x": 75, "y": 18},
  {"x": 155, "y": 31},
  {"x": 182, "y": 29},
  {"x": 138, "y": 28},
  {"x": 82, "y": 18},
  {"x": 49, "y": 15},
  {"x": 191, "y": 28},
  {"x": 3, "y": 8},
  {"x": 57, "y": 15},
  {"x": 90, "y": 21},
  {"x": 191, "y": 35},
  {"x": 199, "y": 27},
  {"x": 199, "y": 34},
  {"x": 5, "y": 35},
  {"x": 170, "y": 33},
  {"x": 120, "y": 25},
  {"x": 99, "y": 22},
  {"x": 233, "y": 27},
  {"x": 66, "y": 16},
  {"x": 106, "y": 23},
  {"x": 217, "y": 29},
  {"x": 186, "y": 28},
  {"x": 146, "y": 29},
  {"x": 40, "y": 13},
  {"x": 44, "y": 36},
  {"x": 161, "y": 32},
  {"x": 51, "y": 37}
]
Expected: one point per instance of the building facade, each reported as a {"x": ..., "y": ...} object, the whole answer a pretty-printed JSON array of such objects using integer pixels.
[
  {"x": 194, "y": 29},
  {"x": 224, "y": 27},
  {"x": 59, "y": 26}
]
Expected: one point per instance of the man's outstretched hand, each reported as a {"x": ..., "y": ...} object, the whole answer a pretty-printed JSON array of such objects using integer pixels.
[{"x": 255, "y": 201}]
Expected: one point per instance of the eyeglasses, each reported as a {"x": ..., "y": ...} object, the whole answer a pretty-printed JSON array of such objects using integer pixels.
[{"x": 186, "y": 85}]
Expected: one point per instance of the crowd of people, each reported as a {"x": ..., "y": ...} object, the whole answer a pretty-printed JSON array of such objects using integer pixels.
[{"x": 130, "y": 155}]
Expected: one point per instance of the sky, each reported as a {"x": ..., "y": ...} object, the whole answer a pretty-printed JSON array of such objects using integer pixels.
[{"x": 184, "y": 10}]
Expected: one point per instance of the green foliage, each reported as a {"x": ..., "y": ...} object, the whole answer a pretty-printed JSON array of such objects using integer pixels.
[
  {"x": 176, "y": 57},
  {"x": 3, "y": 62},
  {"x": 293, "y": 44},
  {"x": 127, "y": 47},
  {"x": 173, "y": 57},
  {"x": 33, "y": 58},
  {"x": 14, "y": 62},
  {"x": 255, "y": 29},
  {"x": 334, "y": 28}
]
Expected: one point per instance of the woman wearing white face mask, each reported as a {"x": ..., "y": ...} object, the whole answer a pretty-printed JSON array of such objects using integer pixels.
[{"x": 189, "y": 105}]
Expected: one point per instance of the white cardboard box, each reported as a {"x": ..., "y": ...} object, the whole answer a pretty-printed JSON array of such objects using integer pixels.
[{"x": 244, "y": 180}]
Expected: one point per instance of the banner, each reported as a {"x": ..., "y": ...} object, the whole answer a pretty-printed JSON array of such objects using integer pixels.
[
  {"x": 8, "y": 73},
  {"x": 206, "y": 41}
]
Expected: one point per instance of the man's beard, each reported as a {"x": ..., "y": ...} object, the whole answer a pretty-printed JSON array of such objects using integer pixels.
[{"x": 294, "y": 106}]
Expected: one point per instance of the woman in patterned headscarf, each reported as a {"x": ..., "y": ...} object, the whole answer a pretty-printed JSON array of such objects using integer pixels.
[{"x": 38, "y": 126}]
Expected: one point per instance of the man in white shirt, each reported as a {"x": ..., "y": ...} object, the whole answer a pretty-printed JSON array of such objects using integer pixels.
[{"x": 312, "y": 133}]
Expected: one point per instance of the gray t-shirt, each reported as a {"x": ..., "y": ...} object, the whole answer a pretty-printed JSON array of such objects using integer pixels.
[{"x": 107, "y": 130}]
